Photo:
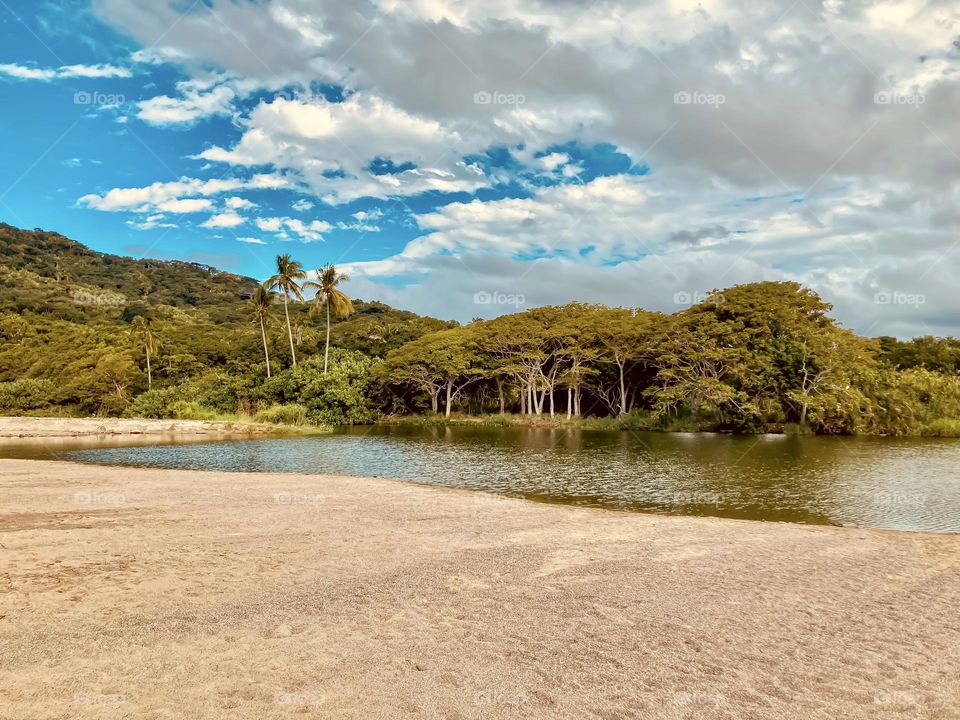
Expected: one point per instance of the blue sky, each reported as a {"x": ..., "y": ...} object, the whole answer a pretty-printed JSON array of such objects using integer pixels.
[{"x": 441, "y": 151}]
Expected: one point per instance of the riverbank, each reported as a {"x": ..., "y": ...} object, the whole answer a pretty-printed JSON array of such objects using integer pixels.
[
  {"x": 635, "y": 422},
  {"x": 67, "y": 427},
  {"x": 154, "y": 593}
]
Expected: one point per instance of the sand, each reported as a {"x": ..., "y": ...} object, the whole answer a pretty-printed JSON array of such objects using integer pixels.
[
  {"x": 54, "y": 427},
  {"x": 134, "y": 593}
]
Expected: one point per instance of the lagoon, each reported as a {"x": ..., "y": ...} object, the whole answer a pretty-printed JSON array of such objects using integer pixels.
[{"x": 892, "y": 483}]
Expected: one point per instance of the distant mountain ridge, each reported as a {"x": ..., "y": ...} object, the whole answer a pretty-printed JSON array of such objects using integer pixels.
[{"x": 44, "y": 256}]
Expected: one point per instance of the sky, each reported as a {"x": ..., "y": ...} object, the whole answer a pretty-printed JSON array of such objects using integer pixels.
[{"x": 469, "y": 158}]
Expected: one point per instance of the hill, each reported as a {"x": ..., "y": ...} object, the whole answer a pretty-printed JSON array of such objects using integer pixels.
[{"x": 66, "y": 314}]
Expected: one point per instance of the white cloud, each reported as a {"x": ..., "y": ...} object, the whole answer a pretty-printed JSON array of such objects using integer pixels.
[
  {"x": 190, "y": 205},
  {"x": 251, "y": 240},
  {"x": 23, "y": 72},
  {"x": 239, "y": 203},
  {"x": 308, "y": 232},
  {"x": 321, "y": 140},
  {"x": 303, "y": 205},
  {"x": 145, "y": 199},
  {"x": 224, "y": 220},
  {"x": 192, "y": 106},
  {"x": 799, "y": 120},
  {"x": 151, "y": 222}
]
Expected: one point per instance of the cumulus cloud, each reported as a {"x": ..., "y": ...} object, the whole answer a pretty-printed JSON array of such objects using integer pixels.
[
  {"x": 24, "y": 72},
  {"x": 307, "y": 232},
  {"x": 816, "y": 142},
  {"x": 149, "y": 198},
  {"x": 224, "y": 220},
  {"x": 332, "y": 145},
  {"x": 194, "y": 104}
]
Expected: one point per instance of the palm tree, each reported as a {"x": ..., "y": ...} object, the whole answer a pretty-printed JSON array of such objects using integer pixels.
[
  {"x": 143, "y": 329},
  {"x": 330, "y": 296},
  {"x": 288, "y": 272},
  {"x": 261, "y": 303}
]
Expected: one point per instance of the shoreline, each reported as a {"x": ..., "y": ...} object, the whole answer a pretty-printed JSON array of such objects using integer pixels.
[
  {"x": 258, "y": 595},
  {"x": 62, "y": 427}
]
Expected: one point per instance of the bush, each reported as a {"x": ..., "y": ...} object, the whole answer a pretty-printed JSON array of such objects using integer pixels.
[
  {"x": 28, "y": 394},
  {"x": 154, "y": 403},
  {"x": 290, "y": 414},
  {"x": 944, "y": 427},
  {"x": 184, "y": 410},
  {"x": 341, "y": 397}
]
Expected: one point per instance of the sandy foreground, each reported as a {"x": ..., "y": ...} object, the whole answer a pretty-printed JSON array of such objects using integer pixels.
[{"x": 133, "y": 593}]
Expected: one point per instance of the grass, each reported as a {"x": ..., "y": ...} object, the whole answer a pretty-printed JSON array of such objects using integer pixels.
[
  {"x": 636, "y": 421},
  {"x": 942, "y": 427},
  {"x": 285, "y": 418}
]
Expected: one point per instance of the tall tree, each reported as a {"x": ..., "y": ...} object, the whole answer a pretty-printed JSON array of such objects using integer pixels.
[
  {"x": 143, "y": 329},
  {"x": 261, "y": 303},
  {"x": 289, "y": 272},
  {"x": 329, "y": 296}
]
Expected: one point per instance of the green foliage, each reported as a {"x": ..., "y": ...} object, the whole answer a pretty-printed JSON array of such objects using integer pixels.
[
  {"x": 87, "y": 333},
  {"x": 24, "y": 395},
  {"x": 342, "y": 396},
  {"x": 289, "y": 414}
]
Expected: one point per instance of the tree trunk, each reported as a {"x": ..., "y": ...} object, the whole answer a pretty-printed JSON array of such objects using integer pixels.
[
  {"x": 286, "y": 312},
  {"x": 551, "y": 402},
  {"x": 576, "y": 400},
  {"x": 266, "y": 352},
  {"x": 803, "y": 415},
  {"x": 326, "y": 352},
  {"x": 623, "y": 391},
  {"x": 523, "y": 400},
  {"x": 449, "y": 396},
  {"x": 435, "y": 399},
  {"x": 569, "y": 402},
  {"x": 503, "y": 405},
  {"x": 149, "y": 372}
]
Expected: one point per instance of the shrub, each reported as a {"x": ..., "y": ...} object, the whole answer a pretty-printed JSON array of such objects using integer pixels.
[
  {"x": 154, "y": 403},
  {"x": 185, "y": 410},
  {"x": 27, "y": 394},
  {"x": 289, "y": 414},
  {"x": 943, "y": 427}
]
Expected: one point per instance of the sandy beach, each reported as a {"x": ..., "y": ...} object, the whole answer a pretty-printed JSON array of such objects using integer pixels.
[
  {"x": 132, "y": 593},
  {"x": 55, "y": 427}
]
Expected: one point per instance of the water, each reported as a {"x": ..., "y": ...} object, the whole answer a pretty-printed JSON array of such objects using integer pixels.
[{"x": 904, "y": 484}]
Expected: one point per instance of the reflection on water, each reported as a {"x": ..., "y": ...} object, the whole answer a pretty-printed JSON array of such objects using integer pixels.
[{"x": 908, "y": 484}]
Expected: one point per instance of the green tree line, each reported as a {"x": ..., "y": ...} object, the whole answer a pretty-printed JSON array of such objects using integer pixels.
[{"x": 85, "y": 333}]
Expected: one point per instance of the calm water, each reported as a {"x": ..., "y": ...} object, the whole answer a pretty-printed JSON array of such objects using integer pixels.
[{"x": 908, "y": 484}]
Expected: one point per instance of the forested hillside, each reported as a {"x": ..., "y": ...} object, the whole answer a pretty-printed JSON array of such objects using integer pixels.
[
  {"x": 69, "y": 341},
  {"x": 86, "y": 333}
]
